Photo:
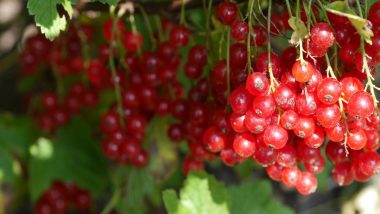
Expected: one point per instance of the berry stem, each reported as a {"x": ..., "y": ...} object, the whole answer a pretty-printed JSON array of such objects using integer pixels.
[
  {"x": 183, "y": 15},
  {"x": 85, "y": 50},
  {"x": 112, "y": 203},
  {"x": 289, "y": 8},
  {"x": 273, "y": 82},
  {"x": 228, "y": 62},
  {"x": 161, "y": 35},
  {"x": 113, "y": 71},
  {"x": 365, "y": 67},
  {"x": 330, "y": 71},
  {"x": 207, "y": 9},
  {"x": 345, "y": 125},
  {"x": 250, "y": 32}
]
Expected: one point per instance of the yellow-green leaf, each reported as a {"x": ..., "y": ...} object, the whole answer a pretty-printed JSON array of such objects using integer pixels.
[{"x": 299, "y": 28}]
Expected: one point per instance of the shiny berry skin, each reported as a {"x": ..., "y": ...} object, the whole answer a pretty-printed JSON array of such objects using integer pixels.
[
  {"x": 162, "y": 107},
  {"x": 335, "y": 153},
  {"x": 312, "y": 84},
  {"x": 302, "y": 71},
  {"x": 179, "y": 109},
  {"x": 286, "y": 156},
  {"x": 329, "y": 91},
  {"x": 275, "y": 136},
  {"x": 262, "y": 62},
  {"x": 356, "y": 139},
  {"x": 254, "y": 123},
  {"x": 285, "y": 97},
  {"x": 49, "y": 101},
  {"x": 176, "y": 132},
  {"x": 305, "y": 127},
  {"x": 316, "y": 139},
  {"x": 260, "y": 36},
  {"x": 226, "y": 12},
  {"x": 110, "y": 149},
  {"x": 132, "y": 41},
  {"x": 322, "y": 35},
  {"x": 306, "y": 153},
  {"x": 307, "y": 104},
  {"x": 82, "y": 200},
  {"x": 190, "y": 164},
  {"x": 360, "y": 105},
  {"x": 141, "y": 159},
  {"x": 289, "y": 119},
  {"x": 347, "y": 52},
  {"x": 342, "y": 174},
  {"x": 237, "y": 122},
  {"x": 336, "y": 134},
  {"x": 240, "y": 100},
  {"x": 369, "y": 163},
  {"x": 136, "y": 123},
  {"x": 315, "y": 165},
  {"x": 244, "y": 145},
  {"x": 230, "y": 157},
  {"x": 290, "y": 176},
  {"x": 350, "y": 85},
  {"x": 307, "y": 183},
  {"x": 96, "y": 72},
  {"x": 179, "y": 35},
  {"x": 198, "y": 55},
  {"x": 328, "y": 116},
  {"x": 274, "y": 171},
  {"x": 214, "y": 140},
  {"x": 257, "y": 84},
  {"x": 238, "y": 55},
  {"x": 239, "y": 30},
  {"x": 265, "y": 156},
  {"x": 264, "y": 106},
  {"x": 374, "y": 14}
]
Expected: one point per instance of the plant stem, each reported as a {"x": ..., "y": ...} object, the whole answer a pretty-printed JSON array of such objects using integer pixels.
[
  {"x": 228, "y": 62},
  {"x": 273, "y": 81},
  {"x": 250, "y": 32},
  {"x": 112, "y": 203},
  {"x": 289, "y": 8},
  {"x": 183, "y": 15},
  {"x": 115, "y": 79}
]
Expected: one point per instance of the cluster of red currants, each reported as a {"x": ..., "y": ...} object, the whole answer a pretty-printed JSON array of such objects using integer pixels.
[
  {"x": 281, "y": 118},
  {"x": 62, "y": 197}
]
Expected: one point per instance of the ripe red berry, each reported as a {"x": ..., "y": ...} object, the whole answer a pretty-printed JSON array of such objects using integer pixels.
[
  {"x": 322, "y": 35},
  {"x": 240, "y": 100},
  {"x": 302, "y": 71},
  {"x": 214, "y": 140},
  {"x": 329, "y": 91},
  {"x": 132, "y": 41},
  {"x": 289, "y": 119},
  {"x": 305, "y": 127},
  {"x": 356, "y": 139},
  {"x": 237, "y": 122},
  {"x": 244, "y": 145},
  {"x": 179, "y": 35},
  {"x": 286, "y": 156},
  {"x": 342, "y": 174},
  {"x": 285, "y": 97},
  {"x": 360, "y": 105},
  {"x": 239, "y": 30},
  {"x": 226, "y": 12},
  {"x": 328, "y": 116},
  {"x": 307, "y": 183},
  {"x": 264, "y": 106},
  {"x": 350, "y": 85},
  {"x": 274, "y": 171},
  {"x": 290, "y": 176},
  {"x": 275, "y": 136},
  {"x": 316, "y": 139},
  {"x": 257, "y": 84}
]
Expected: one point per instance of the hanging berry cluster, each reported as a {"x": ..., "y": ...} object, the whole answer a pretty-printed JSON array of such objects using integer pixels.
[{"x": 285, "y": 111}]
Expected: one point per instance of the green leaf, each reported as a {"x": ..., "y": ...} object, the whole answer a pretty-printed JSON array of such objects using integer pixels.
[
  {"x": 198, "y": 18},
  {"x": 299, "y": 30},
  {"x": 16, "y": 134},
  {"x": 69, "y": 9},
  {"x": 110, "y": 2},
  {"x": 170, "y": 200},
  {"x": 277, "y": 207},
  {"x": 201, "y": 194},
  {"x": 255, "y": 197},
  {"x": 140, "y": 184},
  {"x": 361, "y": 25},
  {"x": 7, "y": 173},
  {"x": 76, "y": 158},
  {"x": 46, "y": 15},
  {"x": 249, "y": 197}
]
